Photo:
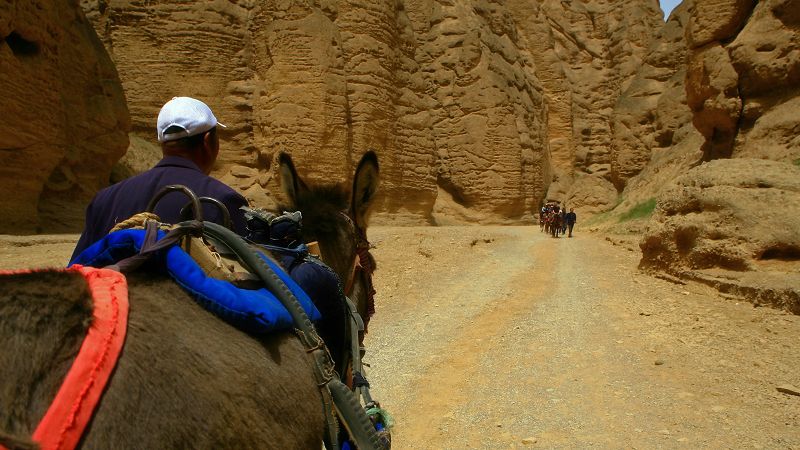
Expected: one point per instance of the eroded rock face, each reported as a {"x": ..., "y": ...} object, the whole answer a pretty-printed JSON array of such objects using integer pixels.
[
  {"x": 653, "y": 112},
  {"x": 723, "y": 69},
  {"x": 199, "y": 49},
  {"x": 729, "y": 214},
  {"x": 65, "y": 121},
  {"x": 713, "y": 95},
  {"x": 591, "y": 194},
  {"x": 448, "y": 101},
  {"x": 716, "y": 20},
  {"x": 586, "y": 54},
  {"x": 744, "y": 76},
  {"x": 463, "y": 100},
  {"x": 734, "y": 224}
]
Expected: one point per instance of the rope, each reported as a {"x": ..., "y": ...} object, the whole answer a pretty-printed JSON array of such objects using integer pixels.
[
  {"x": 136, "y": 221},
  {"x": 151, "y": 245},
  {"x": 368, "y": 267}
]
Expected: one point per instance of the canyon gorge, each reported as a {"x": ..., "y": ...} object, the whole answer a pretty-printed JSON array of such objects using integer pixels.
[{"x": 480, "y": 111}]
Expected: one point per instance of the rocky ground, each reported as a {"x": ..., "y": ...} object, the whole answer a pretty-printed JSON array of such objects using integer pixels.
[{"x": 502, "y": 337}]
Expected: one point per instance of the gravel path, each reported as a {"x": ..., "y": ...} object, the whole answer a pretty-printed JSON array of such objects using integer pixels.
[{"x": 502, "y": 337}]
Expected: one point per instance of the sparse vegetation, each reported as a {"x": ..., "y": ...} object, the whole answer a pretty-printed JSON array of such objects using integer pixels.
[
  {"x": 604, "y": 216},
  {"x": 640, "y": 211},
  {"x": 797, "y": 162},
  {"x": 598, "y": 218}
]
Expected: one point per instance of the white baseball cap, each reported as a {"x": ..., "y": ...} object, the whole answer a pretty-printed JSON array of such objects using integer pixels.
[{"x": 189, "y": 114}]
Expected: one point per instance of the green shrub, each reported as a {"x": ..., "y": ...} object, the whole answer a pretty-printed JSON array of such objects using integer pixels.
[
  {"x": 640, "y": 211},
  {"x": 797, "y": 162}
]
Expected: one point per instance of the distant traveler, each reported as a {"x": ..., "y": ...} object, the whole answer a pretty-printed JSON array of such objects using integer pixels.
[
  {"x": 555, "y": 222},
  {"x": 543, "y": 217},
  {"x": 571, "y": 218},
  {"x": 187, "y": 131}
]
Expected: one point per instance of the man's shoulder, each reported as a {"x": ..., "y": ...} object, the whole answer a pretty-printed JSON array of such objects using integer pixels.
[
  {"x": 189, "y": 175},
  {"x": 143, "y": 177},
  {"x": 221, "y": 185},
  {"x": 223, "y": 191},
  {"x": 123, "y": 184}
]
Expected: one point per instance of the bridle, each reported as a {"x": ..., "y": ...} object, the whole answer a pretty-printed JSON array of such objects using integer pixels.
[{"x": 362, "y": 262}]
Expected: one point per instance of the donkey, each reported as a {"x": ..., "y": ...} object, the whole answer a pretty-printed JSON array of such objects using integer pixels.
[
  {"x": 185, "y": 379},
  {"x": 337, "y": 219}
]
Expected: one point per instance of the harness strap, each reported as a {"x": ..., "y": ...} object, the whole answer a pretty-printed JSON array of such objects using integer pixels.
[
  {"x": 65, "y": 420},
  {"x": 366, "y": 264},
  {"x": 379, "y": 416},
  {"x": 359, "y": 380},
  {"x": 151, "y": 246}
]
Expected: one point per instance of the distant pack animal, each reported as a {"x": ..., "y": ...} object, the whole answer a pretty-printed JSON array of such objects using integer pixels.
[{"x": 185, "y": 379}]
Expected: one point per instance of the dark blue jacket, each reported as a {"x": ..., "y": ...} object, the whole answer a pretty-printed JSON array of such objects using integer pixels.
[
  {"x": 571, "y": 218},
  {"x": 131, "y": 196}
]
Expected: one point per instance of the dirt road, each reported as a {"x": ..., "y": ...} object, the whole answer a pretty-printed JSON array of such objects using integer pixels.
[
  {"x": 502, "y": 337},
  {"x": 490, "y": 337}
]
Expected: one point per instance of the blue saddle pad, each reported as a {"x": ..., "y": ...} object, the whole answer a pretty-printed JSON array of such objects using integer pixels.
[{"x": 254, "y": 311}]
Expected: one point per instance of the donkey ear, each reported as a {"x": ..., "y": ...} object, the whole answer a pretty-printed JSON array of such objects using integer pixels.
[
  {"x": 291, "y": 183},
  {"x": 365, "y": 184}
]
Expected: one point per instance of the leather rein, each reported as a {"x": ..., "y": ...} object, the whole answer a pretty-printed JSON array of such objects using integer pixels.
[{"x": 362, "y": 262}]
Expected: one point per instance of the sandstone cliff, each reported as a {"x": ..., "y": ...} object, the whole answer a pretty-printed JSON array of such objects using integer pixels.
[
  {"x": 730, "y": 222},
  {"x": 720, "y": 81},
  {"x": 473, "y": 106},
  {"x": 586, "y": 55},
  {"x": 654, "y": 138},
  {"x": 65, "y": 122},
  {"x": 652, "y": 113},
  {"x": 743, "y": 82}
]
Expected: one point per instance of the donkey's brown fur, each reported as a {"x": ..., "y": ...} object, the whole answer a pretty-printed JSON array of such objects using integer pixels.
[
  {"x": 201, "y": 383},
  {"x": 43, "y": 319},
  {"x": 185, "y": 379}
]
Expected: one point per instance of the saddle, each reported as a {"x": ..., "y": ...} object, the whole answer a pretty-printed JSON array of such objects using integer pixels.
[{"x": 252, "y": 310}]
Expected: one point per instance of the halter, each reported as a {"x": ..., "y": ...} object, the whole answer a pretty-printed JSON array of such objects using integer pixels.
[{"x": 361, "y": 263}]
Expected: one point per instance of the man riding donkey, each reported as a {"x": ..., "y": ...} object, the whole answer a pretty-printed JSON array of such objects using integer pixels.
[{"x": 187, "y": 131}]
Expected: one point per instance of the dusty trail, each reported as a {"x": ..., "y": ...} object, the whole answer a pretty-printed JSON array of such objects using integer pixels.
[
  {"x": 505, "y": 337},
  {"x": 502, "y": 337}
]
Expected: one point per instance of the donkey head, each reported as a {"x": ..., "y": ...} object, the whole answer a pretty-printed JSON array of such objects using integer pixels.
[{"x": 336, "y": 218}]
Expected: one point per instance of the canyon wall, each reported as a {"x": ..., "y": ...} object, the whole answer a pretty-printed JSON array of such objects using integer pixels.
[
  {"x": 728, "y": 198},
  {"x": 721, "y": 80},
  {"x": 474, "y": 107},
  {"x": 586, "y": 55},
  {"x": 479, "y": 110},
  {"x": 65, "y": 121},
  {"x": 743, "y": 82}
]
